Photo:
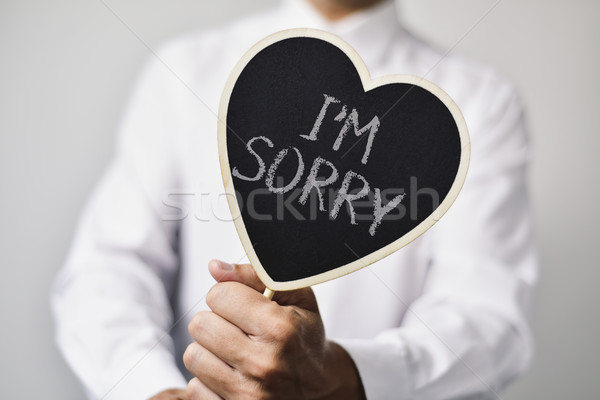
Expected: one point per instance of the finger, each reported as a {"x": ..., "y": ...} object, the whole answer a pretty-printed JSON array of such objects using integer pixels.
[
  {"x": 242, "y": 306},
  {"x": 242, "y": 273},
  {"x": 197, "y": 390},
  {"x": 221, "y": 338},
  {"x": 213, "y": 372}
]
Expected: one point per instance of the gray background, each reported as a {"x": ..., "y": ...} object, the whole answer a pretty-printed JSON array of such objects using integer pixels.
[{"x": 67, "y": 67}]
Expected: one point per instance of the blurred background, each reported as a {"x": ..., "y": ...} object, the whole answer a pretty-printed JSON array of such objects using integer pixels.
[{"x": 67, "y": 67}]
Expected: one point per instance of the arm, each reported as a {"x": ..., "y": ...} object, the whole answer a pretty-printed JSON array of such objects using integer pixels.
[{"x": 111, "y": 299}]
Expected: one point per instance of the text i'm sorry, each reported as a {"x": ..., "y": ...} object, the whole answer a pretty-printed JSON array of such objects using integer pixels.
[{"x": 312, "y": 180}]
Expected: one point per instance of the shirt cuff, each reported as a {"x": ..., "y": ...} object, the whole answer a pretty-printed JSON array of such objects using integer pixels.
[{"x": 382, "y": 365}]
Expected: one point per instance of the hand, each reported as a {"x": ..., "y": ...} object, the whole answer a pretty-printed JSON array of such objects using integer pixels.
[
  {"x": 171, "y": 394},
  {"x": 250, "y": 347}
]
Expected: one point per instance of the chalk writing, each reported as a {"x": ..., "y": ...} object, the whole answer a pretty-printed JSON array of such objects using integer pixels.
[{"x": 314, "y": 180}]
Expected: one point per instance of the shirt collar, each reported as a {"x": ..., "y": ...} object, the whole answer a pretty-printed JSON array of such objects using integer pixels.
[{"x": 368, "y": 31}]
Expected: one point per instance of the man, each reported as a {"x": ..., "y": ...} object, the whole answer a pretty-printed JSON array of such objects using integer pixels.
[{"x": 443, "y": 318}]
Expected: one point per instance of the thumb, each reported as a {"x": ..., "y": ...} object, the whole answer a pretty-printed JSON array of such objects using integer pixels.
[
  {"x": 245, "y": 274},
  {"x": 242, "y": 273}
]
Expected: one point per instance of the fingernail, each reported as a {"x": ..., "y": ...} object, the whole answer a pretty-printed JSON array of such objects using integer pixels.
[{"x": 225, "y": 266}]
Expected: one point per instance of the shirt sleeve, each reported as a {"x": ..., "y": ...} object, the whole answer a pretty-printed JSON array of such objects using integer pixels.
[
  {"x": 468, "y": 335},
  {"x": 111, "y": 300}
]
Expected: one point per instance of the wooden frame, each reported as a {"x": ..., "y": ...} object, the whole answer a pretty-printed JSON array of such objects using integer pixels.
[{"x": 368, "y": 84}]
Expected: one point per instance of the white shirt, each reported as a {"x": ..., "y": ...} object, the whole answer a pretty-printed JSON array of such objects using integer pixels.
[{"x": 445, "y": 317}]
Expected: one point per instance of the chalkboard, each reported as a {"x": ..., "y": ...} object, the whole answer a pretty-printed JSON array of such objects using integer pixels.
[{"x": 326, "y": 169}]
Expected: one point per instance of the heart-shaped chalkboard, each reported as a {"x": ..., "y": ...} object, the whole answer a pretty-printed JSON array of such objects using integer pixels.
[{"x": 327, "y": 170}]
